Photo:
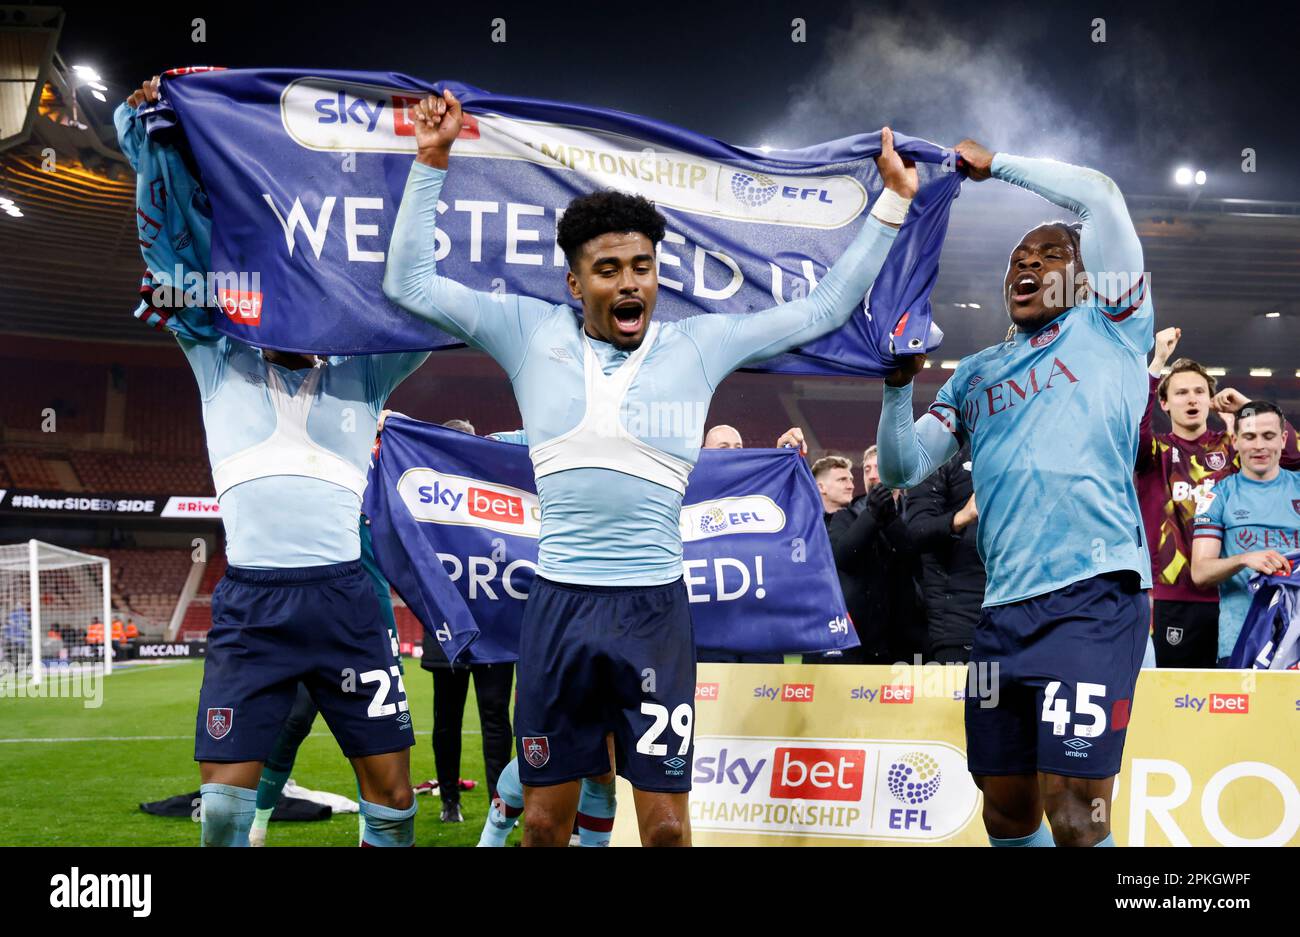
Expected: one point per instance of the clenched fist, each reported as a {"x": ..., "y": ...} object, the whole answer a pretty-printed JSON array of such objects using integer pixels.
[{"x": 437, "y": 121}]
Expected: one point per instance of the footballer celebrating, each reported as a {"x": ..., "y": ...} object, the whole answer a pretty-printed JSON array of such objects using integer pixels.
[
  {"x": 607, "y": 643},
  {"x": 1248, "y": 521},
  {"x": 289, "y": 444},
  {"x": 1176, "y": 471},
  {"x": 1051, "y": 416}
]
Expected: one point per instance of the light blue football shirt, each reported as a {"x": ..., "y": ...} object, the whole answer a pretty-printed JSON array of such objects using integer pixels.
[
  {"x": 281, "y": 520},
  {"x": 600, "y": 526},
  {"x": 290, "y": 520},
  {"x": 1052, "y": 417},
  {"x": 1247, "y": 515}
]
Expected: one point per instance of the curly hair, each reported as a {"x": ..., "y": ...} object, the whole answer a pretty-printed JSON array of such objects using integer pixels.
[
  {"x": 605, "y": 212},
  {"x": 1073, "y": 230}
]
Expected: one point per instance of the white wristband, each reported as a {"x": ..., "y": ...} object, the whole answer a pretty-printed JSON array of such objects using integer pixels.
[{"x": 890, "y": 207}]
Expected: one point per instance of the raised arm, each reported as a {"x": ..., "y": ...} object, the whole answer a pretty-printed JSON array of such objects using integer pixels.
[
  {"x": 499, "y": 324},
  {"x": 1108, "y": 242},
  {"x": 1166, "y": 342},
  {"x": 727, "y": 342},
  {"x": 179, "y": 216},
  {"x": 911, "y": 450}
]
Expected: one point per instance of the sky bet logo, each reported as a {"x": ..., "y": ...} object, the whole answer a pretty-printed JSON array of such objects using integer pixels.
[
  {"x": 1215, "y": 703},
  {"x": 786, "y": 693},
  {"x": 818, "y": 773},
  {"x": 797, "y": 773},
  {"x": 244, "y": 307},
  {"x": 440, "y": 498},
  {"x": 479, "y": 502},
  {"x": 892, "y": 693}
]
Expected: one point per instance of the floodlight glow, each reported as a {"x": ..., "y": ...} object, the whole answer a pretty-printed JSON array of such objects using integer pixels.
[
  {"x": 1200, "y": 177},
  {"x": 1183, "y": 176}
]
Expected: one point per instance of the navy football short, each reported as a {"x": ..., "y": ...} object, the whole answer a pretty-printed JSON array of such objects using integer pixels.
[
  {"x": 1067, "y": 663},
  {"x": 594, "y": 660},
  {"x": 321, "y": 625}
]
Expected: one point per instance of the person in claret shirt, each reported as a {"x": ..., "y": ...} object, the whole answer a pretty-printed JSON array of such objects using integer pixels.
[{"x": 1176, "y": 471}]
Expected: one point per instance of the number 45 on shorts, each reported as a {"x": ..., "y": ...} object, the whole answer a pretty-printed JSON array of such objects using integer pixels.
[{"x": 1056, "y": 710}]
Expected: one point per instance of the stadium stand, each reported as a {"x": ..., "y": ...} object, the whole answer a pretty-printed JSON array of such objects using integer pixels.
[
  {"x": 33, "y": 470},
  {"x": 198, "y": 616},
  {"x": 163, "y": 411},
  {"x": 146, "y": 583},
  {"x": 142, "y": 474}
]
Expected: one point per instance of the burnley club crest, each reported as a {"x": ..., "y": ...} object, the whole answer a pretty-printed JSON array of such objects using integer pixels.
[
  {"x": 219, "y": 721},
  {"x": 537, "y": 750}
]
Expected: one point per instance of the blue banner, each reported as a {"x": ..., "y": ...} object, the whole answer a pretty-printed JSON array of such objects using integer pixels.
[
  {"x": 454, "y": 521},
  {"x": 1270, "y": 635},
  {"x": 305, "y": 171}
]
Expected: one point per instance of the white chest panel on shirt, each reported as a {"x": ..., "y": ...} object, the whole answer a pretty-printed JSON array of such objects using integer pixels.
[
  {"x": 600, "y": 440},
  {"x": 289, "y": 450}
]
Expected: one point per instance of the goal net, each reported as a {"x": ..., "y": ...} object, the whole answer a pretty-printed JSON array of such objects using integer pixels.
[{"x": 54, "y": 610}]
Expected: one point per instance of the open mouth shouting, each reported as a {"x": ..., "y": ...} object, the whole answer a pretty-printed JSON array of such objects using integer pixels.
[
  {"x": 629, "y": 315},
  {"x": 1024, "y": 288}
]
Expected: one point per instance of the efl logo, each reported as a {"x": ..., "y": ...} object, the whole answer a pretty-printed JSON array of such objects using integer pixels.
[
  {"x": 897, "y": 693},
  {"x": 818, "y": 773},
  {"x": 244, "y": 308},
  {"x": 494, "y": 506},
  {"x": 797, "y": 692},
  {"x": 705, "y": 691},
  {"x": 1229, "y": 702}
]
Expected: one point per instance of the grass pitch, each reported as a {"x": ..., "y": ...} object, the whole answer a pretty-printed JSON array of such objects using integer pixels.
[{"x": 73, "y": 776}]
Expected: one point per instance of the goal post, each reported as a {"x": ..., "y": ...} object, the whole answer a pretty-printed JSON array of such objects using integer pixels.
[{"x": 55, "y": 606}]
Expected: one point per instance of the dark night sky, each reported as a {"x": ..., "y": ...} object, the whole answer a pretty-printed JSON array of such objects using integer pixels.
[{"x": 1173, "y": 84}]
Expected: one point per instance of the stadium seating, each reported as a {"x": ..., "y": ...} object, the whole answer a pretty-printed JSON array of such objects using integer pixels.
[
  {"x": 76, "y": 397},
  {"x": 163, "y": 412},
  {"x": 32, "y": 470},
  {"x": 146, "y": 583},
  {"x": 198, "y": 617},
  {"x": 142, "y": 474}
]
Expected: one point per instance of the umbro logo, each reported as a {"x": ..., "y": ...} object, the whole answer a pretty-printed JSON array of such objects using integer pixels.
[
  {"x": 561, "y": 354},
  {"x": 1077, "y": 744}
]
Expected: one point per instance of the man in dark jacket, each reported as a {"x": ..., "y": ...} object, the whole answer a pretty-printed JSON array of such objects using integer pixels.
[
  {"x": 877, "y": 566},
  {"x": 943, "y": 520}
]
